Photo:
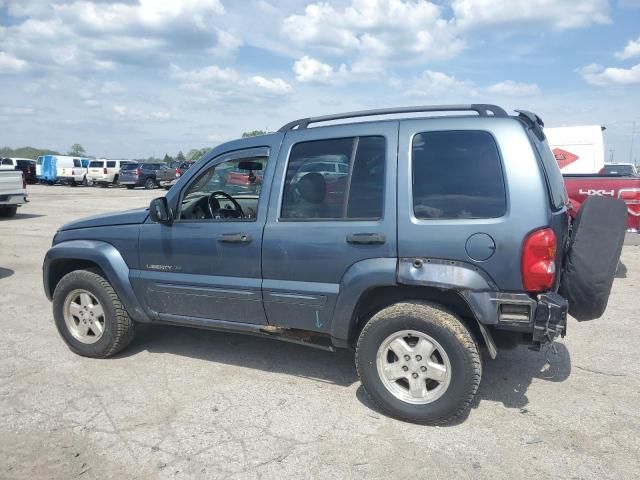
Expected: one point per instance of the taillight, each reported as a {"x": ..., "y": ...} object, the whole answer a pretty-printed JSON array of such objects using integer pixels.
[
  {"x": 104, "y": 170},
  {"x": 631, "y": 196},
  {"x": 138, "y": 171},
  {"x": 178, "y": 172},
  {"x": 539, "y": 260}
]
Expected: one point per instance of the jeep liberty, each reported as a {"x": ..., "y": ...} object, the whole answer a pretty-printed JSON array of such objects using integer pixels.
[{"x": 414, "y": 241}]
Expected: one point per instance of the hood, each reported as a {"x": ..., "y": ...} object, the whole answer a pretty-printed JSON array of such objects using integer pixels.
[{"x": 129, "y": 217}]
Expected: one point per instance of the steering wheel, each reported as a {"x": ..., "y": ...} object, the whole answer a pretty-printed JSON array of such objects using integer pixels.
[{"x": 212, "y": 208}]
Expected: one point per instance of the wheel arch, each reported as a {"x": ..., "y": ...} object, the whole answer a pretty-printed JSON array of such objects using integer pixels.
[
  {"x": 69, "y": 256},
  {"x": 375, "y": 299}
]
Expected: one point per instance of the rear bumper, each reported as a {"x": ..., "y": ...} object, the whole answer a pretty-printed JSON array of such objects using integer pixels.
[
  {"x": 74, "y": 179},
  {"x": 13, "y": 199},
  {"x": 541, "y": 319}
]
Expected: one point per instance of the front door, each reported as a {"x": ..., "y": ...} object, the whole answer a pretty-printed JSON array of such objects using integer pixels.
[
  {"x": 332, "y": 206},
  {"x": 206, "y": 265}
]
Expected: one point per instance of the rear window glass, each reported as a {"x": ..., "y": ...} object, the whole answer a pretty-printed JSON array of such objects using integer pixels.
[
  {"x": 129, "y": 166},
  {"x": 76, "y": 162},
  {"x": 111, "y": 164},
  {"x": 95, "y": 164},
  {"x": 557, "y": 190},
  {"x": 457, "y": 175},
  {"x": 7, "y": 161}
]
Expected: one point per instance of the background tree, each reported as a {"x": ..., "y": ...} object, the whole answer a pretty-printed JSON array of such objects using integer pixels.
[
  {"x": 196, "y": 153},
  {"x": 254, "y": 133},
  {"x": 167, "y": 158},
  {"x": 77, "y": 150},
  {"x": 26, "y": 152},
  {"x": 180, "y": 157}
]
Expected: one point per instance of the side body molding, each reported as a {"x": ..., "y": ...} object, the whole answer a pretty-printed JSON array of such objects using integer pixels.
[
  {"x": 107, "y": 257},
  {"x": 361, "y": 276}
]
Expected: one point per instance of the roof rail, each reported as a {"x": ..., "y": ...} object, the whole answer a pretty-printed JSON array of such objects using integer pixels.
[{"x": 483, "y": 110}]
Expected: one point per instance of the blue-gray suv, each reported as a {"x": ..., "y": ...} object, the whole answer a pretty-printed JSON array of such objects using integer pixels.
[{"x": 415, "y": 241}]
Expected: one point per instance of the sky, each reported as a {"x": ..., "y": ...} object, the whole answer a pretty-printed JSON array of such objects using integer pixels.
[{"x": 135, "y": 78}]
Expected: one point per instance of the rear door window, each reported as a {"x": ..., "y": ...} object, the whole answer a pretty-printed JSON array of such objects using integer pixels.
[
  {"x": 76, "y": 163},
  {"x": 339, "y": 178},
  {"x": 457, "y": 175}
]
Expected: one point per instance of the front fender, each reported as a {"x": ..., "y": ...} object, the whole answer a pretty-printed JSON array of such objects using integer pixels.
[{"x": 105, "y": 256}]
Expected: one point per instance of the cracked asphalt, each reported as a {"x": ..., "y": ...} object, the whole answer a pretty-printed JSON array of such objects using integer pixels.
[{"x": 184, "y": 403}]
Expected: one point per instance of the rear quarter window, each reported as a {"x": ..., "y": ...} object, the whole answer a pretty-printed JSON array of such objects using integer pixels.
[
  {"x": 111, "y": 164},
  {"x": 553, "y": 176},
  {"x": 457, "y": 175}
]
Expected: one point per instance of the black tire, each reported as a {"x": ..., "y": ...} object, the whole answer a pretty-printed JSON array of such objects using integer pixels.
[
  {"x": 85, "y": 181},
  {"x": 129, "y": 187},
  {"x": 593, "y": 255},
  {"x": 452, "y": 335},
  {"x": 115, "y": 181},
  {"x": 149, "y": 183},
  {"x": 8, "y": 212},
  {"x": 119, "y": 329}
]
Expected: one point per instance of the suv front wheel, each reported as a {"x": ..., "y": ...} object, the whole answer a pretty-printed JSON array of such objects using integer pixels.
[
  {"x": 418, "y": 362},
  {"x": 89, "y": 315}
]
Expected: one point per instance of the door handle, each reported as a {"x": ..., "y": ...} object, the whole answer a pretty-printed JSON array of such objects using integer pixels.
[
  {"x": 234, "y": 238},
  {"x": 366, "y": 238}
]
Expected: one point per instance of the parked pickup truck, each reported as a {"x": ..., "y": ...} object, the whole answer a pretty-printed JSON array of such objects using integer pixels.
[
  {"x": 624, "y": 187},
  {"x": 446, "y": 234},
  {"x": 13, "y": 192}
]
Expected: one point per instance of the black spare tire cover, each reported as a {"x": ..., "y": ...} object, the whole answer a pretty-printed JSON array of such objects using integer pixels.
[{"x": 593, "y": 255}]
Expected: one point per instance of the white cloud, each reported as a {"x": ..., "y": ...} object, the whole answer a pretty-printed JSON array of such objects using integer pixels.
[
  {"x": 631, "y": 50},
  {"x": 432, "y": 83},
  {"x": 9, "y": 63},
  {"x": 374, "y": 33},
  {"x": 276, "y": 85},
  {"x": 558, "y": 14},
  {"x": 214, "y": 82},
  {"x": 509, "y": 88},
  {"x": 140, "y": 114},
  {"x": 310, "y": 70},
  {"x": 598, "y": 75}
]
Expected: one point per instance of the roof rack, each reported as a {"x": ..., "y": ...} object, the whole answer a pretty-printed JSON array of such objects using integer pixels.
[{"x": 483, "y": 110}]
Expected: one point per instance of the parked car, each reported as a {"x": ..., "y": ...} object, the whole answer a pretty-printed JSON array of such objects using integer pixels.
[
  {"x": 62, "y": 169},
  {"x": 13, "y": 191},
  {"x": 626, "y": 188},
  {"x": 181, "y": 169},
  {"x": 147, "y": 175},
  {"x": 25, "y": 165},
  {"x": 452, "y": 233},
  {"x": 105, "y": 172},
  {"x": 619, "y": 169}
]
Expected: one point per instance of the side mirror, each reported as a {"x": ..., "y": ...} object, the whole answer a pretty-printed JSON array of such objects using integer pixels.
[{"x": 160, "y": 212}]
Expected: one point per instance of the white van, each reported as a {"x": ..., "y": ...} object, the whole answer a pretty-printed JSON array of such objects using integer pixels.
[
  {"x": 72, "y": 170},
  {"x": 578, "y": 149},
  {"x": 104, "y": 172}
]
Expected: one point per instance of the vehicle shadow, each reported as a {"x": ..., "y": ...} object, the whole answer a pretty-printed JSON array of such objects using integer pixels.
[
  {"x": 5, "y": 272},
  {"x": 24, "y": 216},
  {"x": 621, "y": 271},
  {"x": 247, "y": 351},
  {"x": 507, "y": 378}
]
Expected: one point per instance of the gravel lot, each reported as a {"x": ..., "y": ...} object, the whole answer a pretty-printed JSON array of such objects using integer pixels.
[{"x": 183, "y": 403}]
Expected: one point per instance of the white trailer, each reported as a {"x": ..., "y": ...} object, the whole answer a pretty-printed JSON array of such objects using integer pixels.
[{"x": 578, "y": 149}]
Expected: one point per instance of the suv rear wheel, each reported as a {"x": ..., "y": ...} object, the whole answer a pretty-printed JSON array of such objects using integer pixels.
[
  {"x": 89, "y": 315},
  {"x": 418, "y": 362},
  {"x": 149, "y": 183}
]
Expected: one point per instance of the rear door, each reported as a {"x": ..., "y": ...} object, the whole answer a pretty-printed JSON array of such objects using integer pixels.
[
  {"x": 95, "y": 168},
  {"x": 324, "y": 219}
]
